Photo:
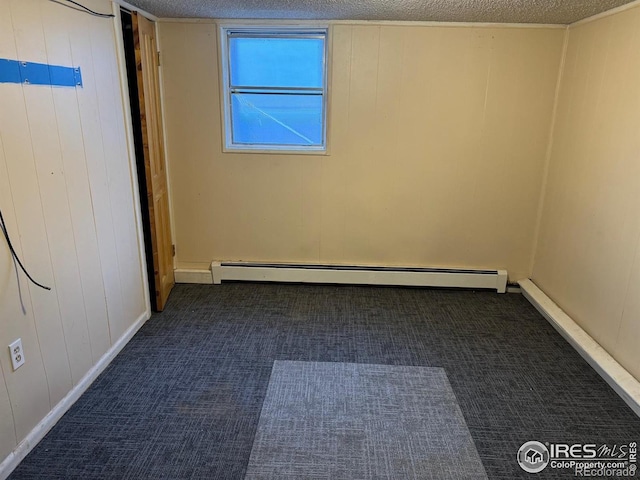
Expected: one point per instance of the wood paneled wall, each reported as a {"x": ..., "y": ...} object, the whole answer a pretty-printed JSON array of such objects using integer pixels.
[
  {"x": 67, "y": 194},
  {"x": 438, "y": 138},
  {"x": 588, "y": 255}
]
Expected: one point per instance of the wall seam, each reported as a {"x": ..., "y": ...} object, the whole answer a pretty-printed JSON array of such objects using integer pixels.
[{"x": 547, "y": 162}]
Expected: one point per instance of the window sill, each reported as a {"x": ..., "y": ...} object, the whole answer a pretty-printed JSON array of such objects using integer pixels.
[{"x": 276, "y": 151}]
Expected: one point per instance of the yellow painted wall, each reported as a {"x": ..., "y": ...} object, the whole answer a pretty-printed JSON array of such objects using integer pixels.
[
  {"x": 437, "y": 136},
  {"x": 67, "y": 196},
  {"x": 588, "y": 254}
]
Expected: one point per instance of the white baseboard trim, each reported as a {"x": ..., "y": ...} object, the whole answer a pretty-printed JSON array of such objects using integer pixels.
[
  {"x": 9, "y": 464},
  {"x": 622, "y": 382},
  {"x": 192, "y": 275}
]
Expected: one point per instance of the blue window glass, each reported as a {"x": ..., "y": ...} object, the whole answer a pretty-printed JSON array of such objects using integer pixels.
[
  {"x": 277, "y": 119},
  {"x": 275, "y": 89},
  {"x": 276, "y": 62}
]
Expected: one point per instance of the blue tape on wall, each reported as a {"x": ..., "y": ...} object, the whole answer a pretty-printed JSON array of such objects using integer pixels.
[
  {"x": 9, "y": 71},
  {"x": 31, "y": 73}
]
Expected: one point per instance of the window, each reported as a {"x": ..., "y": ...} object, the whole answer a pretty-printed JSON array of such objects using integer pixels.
[{"x": 275, "y": 87}]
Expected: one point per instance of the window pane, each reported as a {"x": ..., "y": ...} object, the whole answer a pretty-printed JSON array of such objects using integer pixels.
[
  {"x": 270, "y": 119},
  {"x": 276, "y": 62}
]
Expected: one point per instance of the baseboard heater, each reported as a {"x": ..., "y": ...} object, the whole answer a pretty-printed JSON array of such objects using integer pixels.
[{"x": 360, "y": 275}]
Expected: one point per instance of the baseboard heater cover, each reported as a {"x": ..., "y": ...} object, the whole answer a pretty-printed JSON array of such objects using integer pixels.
[{"x": 359, "y": 275}]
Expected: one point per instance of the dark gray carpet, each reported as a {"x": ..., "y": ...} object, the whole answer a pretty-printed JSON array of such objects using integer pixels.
[
  {"x": 354, "y": 421},
  {"x": 183, "y": 399}
]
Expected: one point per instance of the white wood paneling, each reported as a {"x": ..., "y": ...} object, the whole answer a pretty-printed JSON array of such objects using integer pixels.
[
  {"x": 67, "y": 194},
  {"x": 51, "y": 183},
  {"x": 27, "y": 387},
  {"x": 23, "y": 179},
  {"x": 56, "y": 32},
  {"x": 80, "y": 36},
  {"x": 16, "y": 323},
  {"x": 117, "y": 165}
]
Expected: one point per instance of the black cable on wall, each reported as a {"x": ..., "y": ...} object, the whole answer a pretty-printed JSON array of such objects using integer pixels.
[
  {"x": 81, "y": 8},
  {"x": 3, "y": 227}
]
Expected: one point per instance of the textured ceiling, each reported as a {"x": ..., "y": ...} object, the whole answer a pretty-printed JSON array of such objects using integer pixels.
[{"x": 502, "y": 11}]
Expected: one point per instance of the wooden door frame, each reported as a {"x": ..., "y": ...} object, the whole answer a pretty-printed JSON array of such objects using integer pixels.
[{"x": 136, "y": 124}]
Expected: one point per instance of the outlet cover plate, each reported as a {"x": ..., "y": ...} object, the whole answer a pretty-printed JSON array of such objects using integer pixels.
[{"x": 17, "y": 354}]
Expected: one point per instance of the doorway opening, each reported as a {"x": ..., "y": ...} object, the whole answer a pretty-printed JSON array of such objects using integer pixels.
[{"x": 132, "y": 80}]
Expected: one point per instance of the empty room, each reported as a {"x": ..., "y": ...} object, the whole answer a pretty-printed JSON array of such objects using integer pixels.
[{"x": 303, "y": 239}]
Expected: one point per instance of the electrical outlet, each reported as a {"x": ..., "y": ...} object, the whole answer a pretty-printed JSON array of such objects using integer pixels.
[{"x": 17, "y": 354}]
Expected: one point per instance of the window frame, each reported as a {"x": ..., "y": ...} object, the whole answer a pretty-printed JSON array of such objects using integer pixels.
[{"x": 226, "y": 93}]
